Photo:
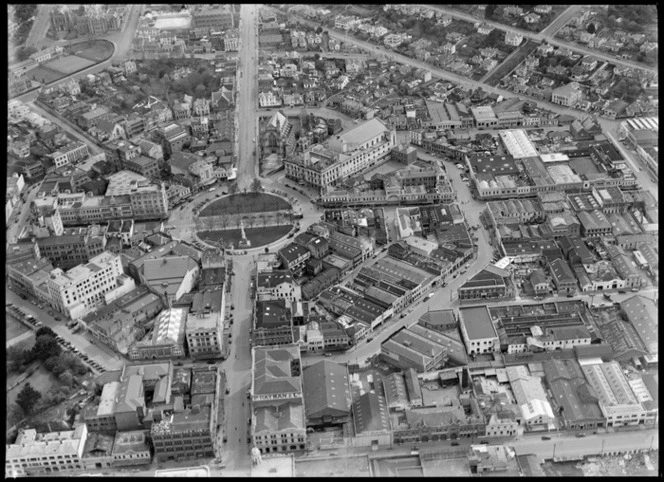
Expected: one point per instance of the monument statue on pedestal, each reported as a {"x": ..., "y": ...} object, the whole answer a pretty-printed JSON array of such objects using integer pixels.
[{"x": 244, "y": 242}]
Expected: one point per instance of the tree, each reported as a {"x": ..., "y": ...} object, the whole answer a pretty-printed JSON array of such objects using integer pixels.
[
  {"x": 27, "y": 398},
  {"x": 224, "y": 220},
  {"x": 200, "y": 91},
  {"x": 256, "y": 185},
  {"x": 45, "y": 330},
  {"x": 24, "y": 53},
  {"x": 591, "y": 28},
  {"x": 233, "y": 188},
  {"x": 66, "y": 379},
  {"x": 45, "y": 347}
]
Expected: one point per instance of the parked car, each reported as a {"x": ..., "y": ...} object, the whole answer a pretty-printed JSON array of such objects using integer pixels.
[
  {"x": 454, "y": 444},
  {"x": 546, "y": 438},
  {"x": 580, "y": 434}
]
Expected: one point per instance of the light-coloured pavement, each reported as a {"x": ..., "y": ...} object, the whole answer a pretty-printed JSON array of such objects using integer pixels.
[
  {"x": 40, "y": 25},
  {"x": 247, "y": 102},
  {"x": 95, "y": 351}
]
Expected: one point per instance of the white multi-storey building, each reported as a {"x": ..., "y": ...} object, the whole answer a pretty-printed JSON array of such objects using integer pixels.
[
  {"x": 70, "y": 154},
  {"x": 205, "y": 324},
  {"x": 82, "y": 288},
  {"x": 344, "y": 155},
  {"x": 45, "y": 454},
  {"x": 616, "y": 397},
  {"x": 277, "y": 284}
]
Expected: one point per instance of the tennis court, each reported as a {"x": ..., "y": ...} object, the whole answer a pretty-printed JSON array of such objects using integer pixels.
[{"x": 69, "y": 64}]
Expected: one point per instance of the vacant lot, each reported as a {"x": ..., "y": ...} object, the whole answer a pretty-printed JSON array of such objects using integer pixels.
[
  {"x": 95, "y": 50},
  {"x": 245, "y": 203},
  {"x": 14, "y": 328},
  {"x": 45, "y": 75},
  {"x": 258, "y": 236},
  {"x": 41, "y": 380},
  {"x": 69, "y": 64}
]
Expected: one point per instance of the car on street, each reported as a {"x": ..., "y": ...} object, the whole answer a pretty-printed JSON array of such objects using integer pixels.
[{"x": 454, "y": 444}]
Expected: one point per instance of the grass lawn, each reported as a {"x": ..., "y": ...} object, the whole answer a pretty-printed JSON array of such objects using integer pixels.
[
  {"x": 14, "y": 328},
  {"x": 257, "y": 236},
  {"x": 69, "y": 64},
  {"x": 95, "y": 50},
  {"x": 41, "y": 380},
  {"x": 245, "y": 203},
  {"x": 45, "y": 75}
]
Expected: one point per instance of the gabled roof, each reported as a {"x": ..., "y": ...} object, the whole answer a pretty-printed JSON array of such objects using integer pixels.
[
  {"x": 326, "y": 389},
  {"x": 272, "y": 371},
  {"x": 370, "y": 413},
  {"x": 272, "y": 419},
  {"x": 642, "y": 314}
]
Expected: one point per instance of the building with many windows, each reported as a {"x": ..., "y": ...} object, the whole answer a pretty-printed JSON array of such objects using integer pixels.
[
  {"x": 188, "y": 434},
  {"x": 616, "y": 399},
  {"x": 343, "y": 155},
  {"x": 166, "y": 339},
  {"x": 79, "y": 290},
  {"x": 479, "y": 333},
  {"x": 277, "y": 405},
  {"x": 70, "y": 154},
  {"x": 205, "y": 324},
  {"x": 45, "y": 453}
]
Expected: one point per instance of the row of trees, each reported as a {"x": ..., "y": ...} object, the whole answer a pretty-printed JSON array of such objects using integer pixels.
[{"x": 224, "y": 220}]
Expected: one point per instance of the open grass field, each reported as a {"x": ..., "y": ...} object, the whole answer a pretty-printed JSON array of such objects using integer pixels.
[
  {"x": 245, "y": 203},
  {"x": 94, "y": 50},
  {"x": 14, "y": 328},
  {"x": 69, "y": 64},
  {"x": 258, "y": 236},
  {"x": 45, "y": 75},
  {"x": 41, "y": 380}
]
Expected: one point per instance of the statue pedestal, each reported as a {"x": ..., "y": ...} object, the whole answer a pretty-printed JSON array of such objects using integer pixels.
[{"x": 244, "y": 243}]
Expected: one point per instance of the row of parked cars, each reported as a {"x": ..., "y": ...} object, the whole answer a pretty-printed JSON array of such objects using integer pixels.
[
  {"x": 22, "y": 315},
  {"x": 67, "y": 345}
]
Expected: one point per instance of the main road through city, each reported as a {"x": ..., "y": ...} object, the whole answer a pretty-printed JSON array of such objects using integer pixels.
[{"x": 248, "y": 96}]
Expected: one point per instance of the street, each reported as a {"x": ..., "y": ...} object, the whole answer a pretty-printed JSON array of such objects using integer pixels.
[
  {"x": 40, "y": 25},
  {"x": 548, "y": 34},
  {"x": 247, "y": 81},
  {"x": 443, "y": 297},
  {"x": 435, "y": 72},
  {"x": 103, "y": 355}
]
